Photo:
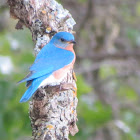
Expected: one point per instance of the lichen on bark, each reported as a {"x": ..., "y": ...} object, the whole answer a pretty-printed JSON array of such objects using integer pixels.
[{"x": 53, "y": 109}]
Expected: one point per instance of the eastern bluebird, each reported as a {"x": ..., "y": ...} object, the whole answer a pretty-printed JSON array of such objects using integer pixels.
[{"x": 51, "y": 64}]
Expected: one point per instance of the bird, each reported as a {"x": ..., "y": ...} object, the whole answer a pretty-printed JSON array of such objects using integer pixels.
[{"x": 51, "y": 65}]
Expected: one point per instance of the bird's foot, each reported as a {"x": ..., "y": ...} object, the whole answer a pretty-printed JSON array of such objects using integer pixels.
[
  {"x": 66, "y": 86},
  {"x": 61, "y": 87}
]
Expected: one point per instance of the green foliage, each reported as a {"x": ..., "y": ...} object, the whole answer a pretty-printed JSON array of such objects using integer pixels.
[
  {"x": 95, "y": 115},
  {"x": 138, "y": 8},
  {"x": 106, "y": 71},
  {"x": 134, "y": 36},
  {"x": 14, "y": 120},
  {"x": 128, "y": 92},
  {"x": 14, "y": 116},
  {"x": 91, "y": 117},
  {"x": 81, "y": 83},
  {"x": 82, "y": 1}
]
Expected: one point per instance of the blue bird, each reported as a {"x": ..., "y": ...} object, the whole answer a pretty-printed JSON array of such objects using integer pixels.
[{"x": 51, "y": 64}]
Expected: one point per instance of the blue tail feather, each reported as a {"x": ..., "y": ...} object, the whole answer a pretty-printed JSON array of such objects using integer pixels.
[
  {"x": 27, "y": 95},
  {"x": 32, "y": 88},
  {"x": 30, "y": 91}
]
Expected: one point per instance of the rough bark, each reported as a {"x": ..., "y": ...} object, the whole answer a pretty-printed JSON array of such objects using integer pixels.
[{"x": 53, "y": 109}]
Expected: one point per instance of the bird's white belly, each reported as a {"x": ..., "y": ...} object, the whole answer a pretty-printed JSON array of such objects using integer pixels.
[{"x": 51, "y": 80}]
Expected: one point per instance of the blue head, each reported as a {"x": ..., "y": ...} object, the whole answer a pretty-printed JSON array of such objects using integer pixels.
[{"x": 62, "y": 39}]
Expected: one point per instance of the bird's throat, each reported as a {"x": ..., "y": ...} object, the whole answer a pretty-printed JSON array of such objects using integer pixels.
[{"x": 70, "y": 48}]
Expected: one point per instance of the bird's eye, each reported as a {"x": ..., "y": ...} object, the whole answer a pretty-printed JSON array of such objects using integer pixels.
[{"x": 62, "y": 39}]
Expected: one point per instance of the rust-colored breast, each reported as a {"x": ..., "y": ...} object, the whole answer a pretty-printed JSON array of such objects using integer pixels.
[{"x": 61, "y": 72}]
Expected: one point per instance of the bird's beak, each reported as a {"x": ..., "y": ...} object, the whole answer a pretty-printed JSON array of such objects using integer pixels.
[{"x": 73, "y": 42}]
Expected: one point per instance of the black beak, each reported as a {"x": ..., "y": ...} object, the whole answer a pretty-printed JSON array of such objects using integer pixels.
[{"x": 73, "y": 42}]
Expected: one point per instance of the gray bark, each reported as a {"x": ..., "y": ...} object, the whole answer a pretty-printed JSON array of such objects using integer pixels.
[{"x": 53, "y": 109}]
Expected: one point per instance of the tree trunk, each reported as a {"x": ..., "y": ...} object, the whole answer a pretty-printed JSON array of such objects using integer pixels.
[{"x": 52, "y": 109}]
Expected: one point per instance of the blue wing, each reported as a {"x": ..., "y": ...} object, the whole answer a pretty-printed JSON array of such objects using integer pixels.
[{"x": 47, "y": 61}]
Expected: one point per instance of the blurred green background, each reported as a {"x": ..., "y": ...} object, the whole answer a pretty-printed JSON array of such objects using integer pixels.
[{"x": 107, "y": 68}]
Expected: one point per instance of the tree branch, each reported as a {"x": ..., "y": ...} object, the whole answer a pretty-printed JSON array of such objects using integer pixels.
[
  {"x": 114, "y": 56},
  {"x": 53, "y": 109}
]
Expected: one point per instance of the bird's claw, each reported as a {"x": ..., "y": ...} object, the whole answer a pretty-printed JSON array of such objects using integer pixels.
[{"x": 66, "y": 86}]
